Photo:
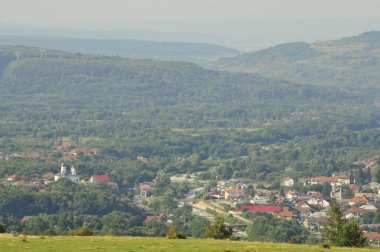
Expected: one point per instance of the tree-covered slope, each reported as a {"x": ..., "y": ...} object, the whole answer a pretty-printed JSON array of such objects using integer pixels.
[
  {"x": 185, "y": 117},
  {"x": 350, "y": 62}
]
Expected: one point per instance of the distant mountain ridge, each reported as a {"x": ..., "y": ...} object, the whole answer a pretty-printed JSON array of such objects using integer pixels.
[
  {"x": 350, "y": 61},
  {"x": 198, "y": 53}
]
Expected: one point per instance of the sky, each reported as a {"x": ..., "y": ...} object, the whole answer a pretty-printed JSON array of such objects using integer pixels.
[
  {"x": 237, "y": 23},
  {"x": 83, "y": 12}
]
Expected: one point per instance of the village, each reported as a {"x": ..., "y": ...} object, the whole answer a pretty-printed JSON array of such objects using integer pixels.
[{"x": 306, "y": 200}]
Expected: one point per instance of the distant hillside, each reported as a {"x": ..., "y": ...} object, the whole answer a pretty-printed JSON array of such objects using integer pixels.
[
  {"x": 128, "y": 81},
  {"x": 199, "y": 53},
  {"x": 352, "y": 61}
]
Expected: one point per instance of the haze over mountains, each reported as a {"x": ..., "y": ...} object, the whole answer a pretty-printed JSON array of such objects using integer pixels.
[
  {"x": 352, "y": 61},
  {"x": 199, "y": 53}
]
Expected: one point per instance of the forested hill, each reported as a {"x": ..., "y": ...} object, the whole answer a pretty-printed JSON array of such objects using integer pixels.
[
  {"x": 199, "y": 53},
  {"x": 184, "y": 117},
  {"x": 350, "y": 62},
  {"x": 127, "y": 84}
]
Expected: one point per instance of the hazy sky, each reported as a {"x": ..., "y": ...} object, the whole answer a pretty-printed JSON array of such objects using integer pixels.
[
  {"x": 84, "y": 13},
  {"x": 242, "y": 24}
]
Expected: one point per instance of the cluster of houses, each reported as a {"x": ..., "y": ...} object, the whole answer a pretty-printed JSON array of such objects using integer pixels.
[
  {"x": 69, "y": 151},
  {"x": 17, "y": 179},
  {"x": 309, "y": 208}
]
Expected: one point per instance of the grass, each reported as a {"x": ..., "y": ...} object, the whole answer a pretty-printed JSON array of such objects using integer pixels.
[{"x": 111, "y": 244}]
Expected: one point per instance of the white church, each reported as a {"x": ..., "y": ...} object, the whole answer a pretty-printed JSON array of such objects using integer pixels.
[{"x": 73, "y": 177}]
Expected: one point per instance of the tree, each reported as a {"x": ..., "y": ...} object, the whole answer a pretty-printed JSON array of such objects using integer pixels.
[
  {"x": 353, "y": 234},
  {"x": 218, "y": 230},
  {"x": 2, "y": 228},
  {"x": 341, "y": 232}
]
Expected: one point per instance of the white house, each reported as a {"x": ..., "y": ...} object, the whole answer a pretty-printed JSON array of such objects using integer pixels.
[
  {"x": 288, "y": 181},
  {"x": 369, "y": 208}
]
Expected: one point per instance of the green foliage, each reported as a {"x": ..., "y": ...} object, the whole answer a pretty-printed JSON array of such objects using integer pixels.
[
  {"x": 3, "y": 228},
  {"x": 268, "y": 228},
  {"x": 173, "y": 233},
  {"x": 83, "y": 231},
  {"x": 182, "y": 117},
  {"x": 154, "y": 228},
  {"x": 218, "y": 230},
  {"x": 331, "y": 63},
  {"x": 341, "y": 232}
]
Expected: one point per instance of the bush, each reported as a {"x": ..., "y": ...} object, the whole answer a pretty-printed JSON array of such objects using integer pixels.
[
  {"x": 218, "y": 230},
  {"x": 83, "y": 231},
  {"x": 173, "y": 233}
]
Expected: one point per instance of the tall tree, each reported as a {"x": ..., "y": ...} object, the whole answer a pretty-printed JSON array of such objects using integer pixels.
[
  {"x": 218, "y": 230},
  {"x": 342, "y": 232}
]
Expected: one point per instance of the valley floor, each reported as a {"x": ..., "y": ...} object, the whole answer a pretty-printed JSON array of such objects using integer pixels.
[{"x": 10, "y": 243}]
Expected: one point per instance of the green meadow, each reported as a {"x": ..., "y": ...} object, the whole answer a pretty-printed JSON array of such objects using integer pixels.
[{"x": 9, "y": 243}]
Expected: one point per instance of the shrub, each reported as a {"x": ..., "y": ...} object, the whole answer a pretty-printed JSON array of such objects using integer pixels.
[
  {"x": 173, "y": 233},
  {"x": 83, "y": 231}
]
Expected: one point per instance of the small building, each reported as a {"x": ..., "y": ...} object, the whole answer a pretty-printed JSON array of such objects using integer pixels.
[
  {"x": 99, "y": 179},
  {"x": 354, "y": 187},
  {"x": 231, "y": 194},
  {"x": 260, "y": 200},
  {"x": 353, "y": 212},
  {"x": 285, "y": 214},
  {"x": 292, "y": 195},
  {"x": 369, "y": 208},
  {"x": 318, "y": 202},
  {"x": 321, "y": 180},
  {"x": 372, "y": 237},
  {"x": 73, "y": 177},
  {"x": 143, "y": 159},
  {"x": 145, "y": 189},
  {"x": 161, "y": 217},
  {"x": 14, "y": 177},
  {"x": 241, "y": 185},
  {"x": 358, "y": 201},
  {"x": 288, "y": 182},
  {"x": 214, "y": 194},
  {"x": 365, "y": 195}
]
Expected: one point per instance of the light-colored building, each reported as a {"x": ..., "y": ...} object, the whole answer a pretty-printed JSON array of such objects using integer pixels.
[
  {"x": 288, "y": 181},
  {"x": 145, "y": 189},
  {"x": 73, "y": 177},
  {"x": 231, "y": 194}
]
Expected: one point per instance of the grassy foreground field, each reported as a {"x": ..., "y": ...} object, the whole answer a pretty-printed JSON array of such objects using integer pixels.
[{"x": 9, "y": 243}]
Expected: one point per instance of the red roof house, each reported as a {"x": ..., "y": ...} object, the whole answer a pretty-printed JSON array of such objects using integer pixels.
[
  {"x": 372, "y": 236},
  {"x": 99, "y": 179},
  {"x": 259, "y": 209},
  {"x": 161, "y": 217}
]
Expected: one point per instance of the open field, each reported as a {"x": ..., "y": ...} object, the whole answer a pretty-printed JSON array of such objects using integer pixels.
[{"x": 38, "y": 244}]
